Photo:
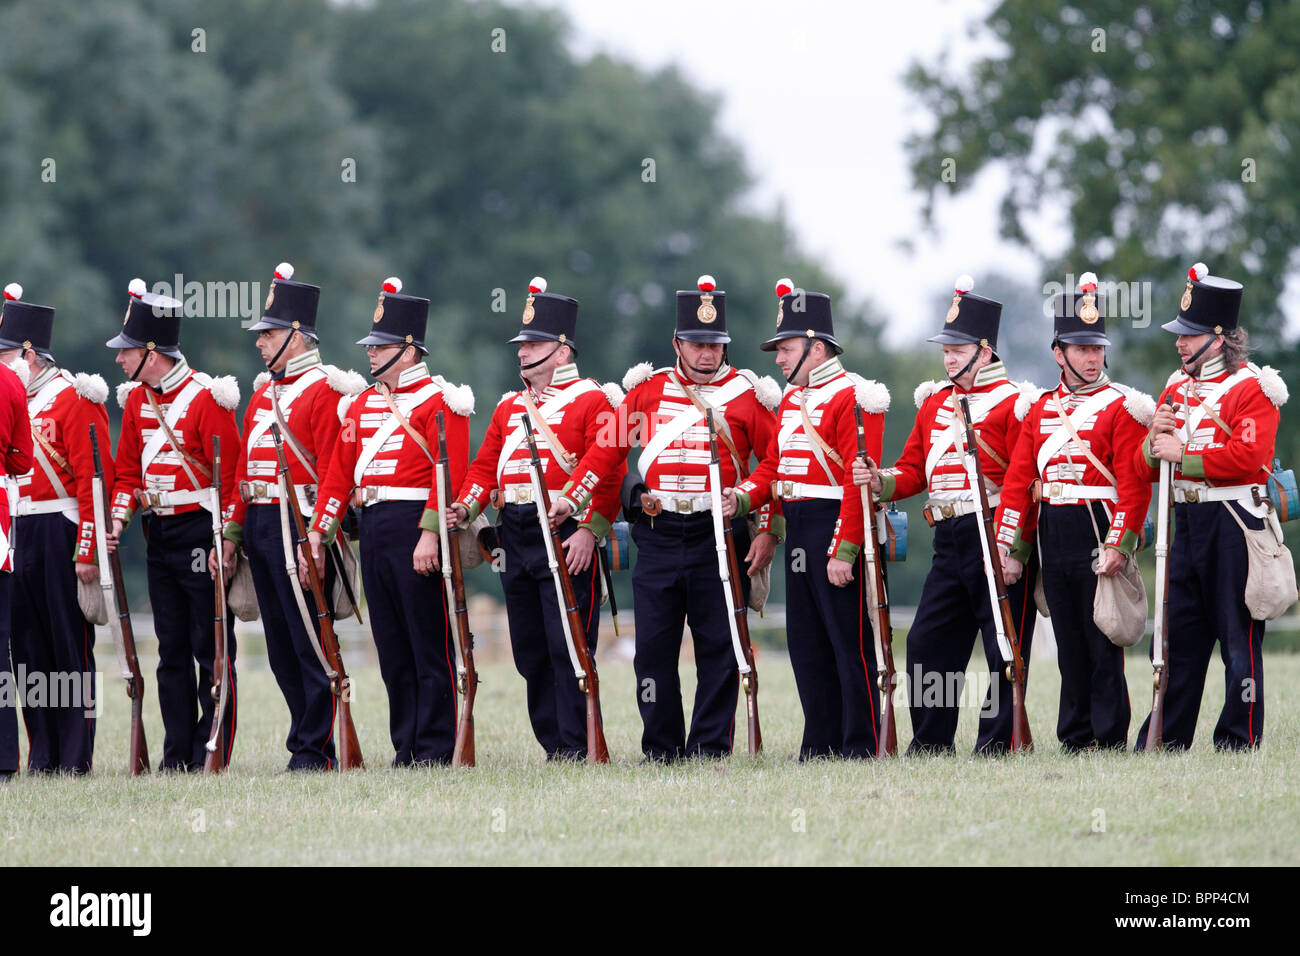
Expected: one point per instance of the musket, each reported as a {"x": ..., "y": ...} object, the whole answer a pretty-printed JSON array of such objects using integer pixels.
[
  {"x": 729, "y": 574},
  {"x": 1003, "y": 620},
  {"x": 602, "y": 553},
  {"x": 1160, "y": 634},
  {"x": 218, "y": 755},
  {"x": 349, "y": 747},
  {"x": 114, "y": 588},
  {"x": 887, "y": 742},
  {"x": 453, "y": 578},
  {"x": 584, "y": 668}
]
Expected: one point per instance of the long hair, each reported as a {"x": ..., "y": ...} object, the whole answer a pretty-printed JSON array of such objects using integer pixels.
[{"x": 1236, "y": 348}]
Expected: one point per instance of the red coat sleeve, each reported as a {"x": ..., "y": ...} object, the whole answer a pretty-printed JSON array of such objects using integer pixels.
[
  {"x": 336, "y": 476},
  {"x": 1017, "y": 512},
  {"x": 1244, "y": 455},
  {"x": 850, "y": 531},
  {"x": 76, "y": 439},
  {"x": 906, "y": 477},
  {"x": 481, "y": 475},
  {"x": 17, "y": 426},
  {"x": 604, "y": 505},
  {"x": 457, "y": 426},
  {"x": 127, "y": 476},
  {"x": 609, "y": 449}
]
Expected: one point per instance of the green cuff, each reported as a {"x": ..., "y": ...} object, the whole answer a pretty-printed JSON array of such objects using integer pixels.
[
  {"x": 429, "y": 520},
  {"x": 1146, "y": 453},
  {"x": 579, "y": 504},
  {"x": 742, "y": 505},
  {"x": 233, "y": 532},
  {"x": 847, "y": 551},
  {"x": 1192, "y": 466},
  {"x": 598, "y": 526},
  {"x": 473, "y": 506},
  {"x": 777, "y": 528},
  {"x": 1128, "y": 543},
  {"x": 887, "y": 487},
  {"x": 1020, "y": 548}
]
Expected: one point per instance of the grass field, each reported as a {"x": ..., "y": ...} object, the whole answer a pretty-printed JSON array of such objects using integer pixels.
[{"x": 1194, "y": 808}]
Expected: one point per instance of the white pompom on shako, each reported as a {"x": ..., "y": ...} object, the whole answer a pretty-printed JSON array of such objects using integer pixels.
[
  {"x": 1198, "y": 271},
  {"x": 137, "y": 288},
  {"x": 963, "y": 284},
  {"x": 538, "y": 284},
  {"x": 1088, "y": 282},
  {"x": 13, "y": 291},
  {"x": 392, "y": 285},
  {"x": 284, "y": 270},
  {"x": 706, "y": 283},
  {"x": 784, "y": 287}
]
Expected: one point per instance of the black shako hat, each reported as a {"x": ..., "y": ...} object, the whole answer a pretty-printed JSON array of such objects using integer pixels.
[
  {"x": 702, "y": 315},
  {"x": 1211, "y": 305},
  {"x": 289, "y": 304},
  {"x": 25, "y": 325},
  {"x": 398, "y": 319},
  {"x": 1078, "y": 315},
  {"x": 548, "y": 317},
  {"x": 153, "y": 322},
  {"x": 803, "y": 315},
  {"x": 971, "y": 318}
]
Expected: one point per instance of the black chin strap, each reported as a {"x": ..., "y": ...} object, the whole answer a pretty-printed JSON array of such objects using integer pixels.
[
  {"x": 389, "y": 364},
  {"x": 966, "y": 368},
  {"x": 1073, "y": 371},
  {"x": 807, "y": 347},
  {"x": 139, "y": 368},
  {"x": 540, "y": 361},
  {"x": 276, "y": 376},
  {"x": 1199, "y": 352}
]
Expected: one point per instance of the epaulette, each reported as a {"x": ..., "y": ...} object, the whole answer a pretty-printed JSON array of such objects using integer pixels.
[
  {"x": 639, "y": 373},
  {"x": 926, "y": 389},
  {"x": 91, "y": 387},
  {"x": 344, "y": 381},
  {"x": 766, "y": 390},
  {"x": 1271, "y": 384},
  {"x": 1029, "y": 393},
  {"x": 871, "y": 396},
  {"x": 1138, "y": 404},
  {"x": 20, "y": 368},
  {"x": 224, "y": 389},
  {"x": 613, "y": 394},
  {"x": 459, "y": 398},
  {"x": 124, "y": 392}
]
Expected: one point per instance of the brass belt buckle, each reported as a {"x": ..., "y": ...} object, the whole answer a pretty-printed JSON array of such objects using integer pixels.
[
  {"x": 1192, "y": 495},
  {"x": 522, "y": 494},
  {"x": 370, "y": 494},
  {"x": 259, "y": 489},
  {"x": 787, "y": 489},
  {"x": 948, "y": 511},
  {"x": 684, "y": 506},
  {"x": 1054, "y": 490}
]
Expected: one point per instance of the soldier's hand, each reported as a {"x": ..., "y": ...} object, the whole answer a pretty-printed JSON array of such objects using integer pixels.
[
  {"x": 561, "y": 508},
  {"x": 1111, "y": 562},
  {"x": 1012, "y": 568},
  {"x": 425, "y": 557},
  {"x": 760, "y": 552},
  {"x": 454, "y": 514},
  {"x": 227, "y": 559},
  {"x": 87, "y": 573},
  {"x": 866, "y": 473},
  {"x": 729, "y": 503},
  {"x": 114, "y": 536},
  {"x": 578, "y": 549},
  {"x": 315, "y": 543},
  {"x": 1164, "y": 421},
  {"x": 1167, "y": 447},
  {"x": 839, "y": 572}
]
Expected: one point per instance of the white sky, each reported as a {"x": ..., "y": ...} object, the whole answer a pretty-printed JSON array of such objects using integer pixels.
[{"x": 833, "y": 69}]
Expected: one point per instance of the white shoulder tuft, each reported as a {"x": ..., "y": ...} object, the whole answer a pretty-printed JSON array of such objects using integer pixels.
[
  {"x": 459, "y": 398},
  {"x": 872, "y": 396},
  {"x": 1176, "y": 376},
  {"x": 926, "y": 389},
  {"x": 124, "y": 391},
  {"x": 91, "y": 387},
  {"x": 20, "y": 368},
  {"x": 1029, "y": 393},
  {"x": 613, "y": 394},
  {"x": 505, "y": 397},
  {"x": 1140, "y": 405},
  {"x": 636, "y": 375},
  {"x": 345, "y": 403},
  {"x": 225, "y": 390},
  {"x": 261, "y": 379},
  {"x": 345, "y": 381},
  {"x": 1271, "y": 384}
]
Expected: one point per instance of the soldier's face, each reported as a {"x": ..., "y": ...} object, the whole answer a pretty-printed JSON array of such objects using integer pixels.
[
  {"x": 269, "y": 342},
  {"x": 705, "y": 356},
  {"x": 955, "y": 357},
  {"x": 1189, "y": 345},
  {"x": 788, "y": 353},
  {"x": 1087, "y": 360},
  {"x": 128, "y": 359},
  {"x": 530, "y": 352}
]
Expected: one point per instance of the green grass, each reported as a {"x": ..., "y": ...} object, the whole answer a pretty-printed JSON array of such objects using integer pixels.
[{"x": 1171, "y": 809}]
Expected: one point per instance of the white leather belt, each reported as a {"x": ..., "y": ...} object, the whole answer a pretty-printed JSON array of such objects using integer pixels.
[
  {"x": 172, "y": 499},
  {"x": 519, "y": 494},
  {"x": 1064, "y": 493},
  {"x": 1192, "y": 492},
  {"x": 26, "y": 506},
  {"x": 798, "y": 489},
  {"x": 374, "y": 494},
  {"x": 682, "y": 504},
  {"x": 937, "y": 509},
  {"x": 262, "y": 491}
]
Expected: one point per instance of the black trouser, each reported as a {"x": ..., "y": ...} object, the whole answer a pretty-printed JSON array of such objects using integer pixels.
[
  {"x": 828, "y": 630},
  {"x": 675, "y": 582},
  {"x": 954, "y": 606},
  {"x": 9, "y": 693},
  {"x": 1207, "y": 584},
  {"x": 183, "y": 599},
  {"x": 557, "y": 707},
  {"x": 412, "y": 631},
  {"x": 52, "y": 639},
  {"x": 296, "y": 666},
  {"x": 1094, "y": 694}
]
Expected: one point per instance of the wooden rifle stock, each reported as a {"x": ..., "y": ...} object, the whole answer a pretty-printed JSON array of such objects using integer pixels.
[
  {"x": 748, "y": 681},
  {"x": 1021, "y": 739},
  {"x": 463, "y": 752},
  {"x": 349, "y": 747},
  {"x": 1160, "y": 636},
  {"x": 597, "y": 749},
  {"x": 139, "y": 751},
  {"x": 216, "y": 760},
  {"x": 887, "y": 743}
]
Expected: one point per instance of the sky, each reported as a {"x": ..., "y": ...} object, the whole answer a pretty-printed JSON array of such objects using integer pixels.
[{"x": 833, "y": 71}]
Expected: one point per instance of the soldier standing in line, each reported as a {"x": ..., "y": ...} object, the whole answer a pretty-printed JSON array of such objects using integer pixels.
[{"x": 15, "y": 459}]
